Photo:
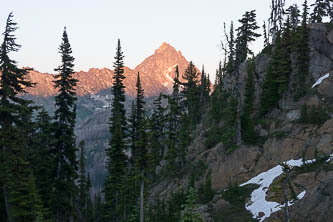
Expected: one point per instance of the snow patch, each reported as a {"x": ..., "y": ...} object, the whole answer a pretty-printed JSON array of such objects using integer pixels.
[
  {"x": 264, "y": 180},
  {"x": 319, "y": 81}
]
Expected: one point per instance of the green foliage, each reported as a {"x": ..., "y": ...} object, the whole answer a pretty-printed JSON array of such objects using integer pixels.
[
  {"x": 319, "y": 11},
  {"x": 205, "y": 191},
  {"x": 319, "y": 163},
  {"x": 313, "y": 115},
  {"x": 116, "y": 158},
  {"x": 66, "y": 164},
  {"x": 302, "y": 51},
  {"x": 235, "y": 211},
  {"x": 246, "y": 34},
  {"x": 190, "y": 213},
  {"x": 16, "y": 179},
  {"x": 223, "y": 108},
  {"x": 279, "y": 71},
  {"x": 191, "y": 92},
  {"x": 249, "y": 135}
]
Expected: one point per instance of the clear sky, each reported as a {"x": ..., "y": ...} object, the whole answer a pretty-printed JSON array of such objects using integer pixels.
[{"x": 193, "y": 26}]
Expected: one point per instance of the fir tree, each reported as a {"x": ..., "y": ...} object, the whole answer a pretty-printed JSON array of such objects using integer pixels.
[
  {"x": 302, "y": 55},
  {"x": 319, "y": 11},
  {"x": 190, "y": 208},
  {"x": 66, "y": 166},
  {"x": 247, "y": 123},
  {"x": 245, "y": 35},
  {"x": 219, "y": 75},
  {"x": 42, "y": 159},
  {"x": 266, "y": 39},
  {"x": 329, "y": 4},
  {"x": 116, "y": 159},
  {"x": 276, "y": 17},
  {"x": 294, "y": 14},
  {"x": 203, "y": 82},
  {"x": 83, "y": 192},
  {"x": 157, "y": 125},
  {"x": 15, "y": 116},
  {"x": 142, "y": 158},
  {"x": 278, "y": 73},
  {"x": 132, "y": 127},
  {"x": 191, "y": 93},
  {"x": 230, "y": 66}
]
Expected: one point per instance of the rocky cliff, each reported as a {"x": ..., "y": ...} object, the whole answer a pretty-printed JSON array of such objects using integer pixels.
[{"x": 285, "y": 138}]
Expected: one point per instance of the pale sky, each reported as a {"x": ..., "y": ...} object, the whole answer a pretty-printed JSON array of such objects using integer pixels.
[{"x": 194, "y": 27}]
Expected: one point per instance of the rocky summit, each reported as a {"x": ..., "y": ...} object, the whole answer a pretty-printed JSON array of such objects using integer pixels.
[{"x": 158, "y": 69}]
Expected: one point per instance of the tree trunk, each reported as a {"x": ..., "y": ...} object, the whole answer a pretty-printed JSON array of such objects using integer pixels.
[
  {"x": 7, "y": 206},
  {"x": 141, "y": 197}
]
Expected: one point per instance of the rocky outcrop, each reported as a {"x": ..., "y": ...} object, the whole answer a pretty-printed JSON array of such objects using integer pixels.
[{"x": 285, "y": 137}]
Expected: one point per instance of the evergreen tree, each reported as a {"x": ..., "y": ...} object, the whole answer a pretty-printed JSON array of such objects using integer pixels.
[
  {"x": 319, "y": 11},
  {"x": 17, "y": 188},
  {"x": 191, "y": 93},
  {"x": 245, "y": 35},
  {"x": 247, "y": 123},
  {"x": 157, "y": 125},
  {"x": 276, "y": 17},
  {"x": 142, "y": 158},
  {"x": 83, "y": 193},
  {"x": 190, "y": 208},
  {"x": 42, "y": 158},
  {"x": 278, "y": 73},
  {"x": 132, "y": 127},
  {"x": 203, "y": 87},
  {"x": 294, "y": 14},
  {"x": 90, "y": 214},
  {"x": 116, "y": 159},
  {"x": 66, "y": 166},
  {"x": 230, "y": 66},
  {"x": 266, "y": 39},
  {"x": 219, "y": 75},
  {"x": 302, "y": 55},
  {"x": 329, "y": 4}
]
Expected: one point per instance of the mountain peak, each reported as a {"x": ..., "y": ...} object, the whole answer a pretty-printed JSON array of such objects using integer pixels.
[{"x": 165, "y": 47}]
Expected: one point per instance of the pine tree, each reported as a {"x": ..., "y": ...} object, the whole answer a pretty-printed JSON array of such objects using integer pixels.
[
  {"x": 82, "y": 185},
  {"x": 230, "y": 66},
  {"x": 90, "y": 214},
  {"x": 266, "y": 39},
  {"x": 219, "y": 76},
  {"x": 142, "y": 158},
  {"x": 302, "y": 55},
  {"x": 329, "y": 4},
  {"x": 294, "y": 14},
  {"x": 191, "y": 93},
  {"x": 278, "y": 73},
  {"x": 247, "y": 123},
  {"x": 42, "y": 158},
  {"x": 245, "y": 35},
  {"x": 203, "y": 87},
  {"x": 319, "y": 11},
  {"x": 132, "y": 127},
  {"x": 15, "y": 118},
  {"x": 276, "y": 18},
  {"x": 116, "y": 159},
  {"x": 190, "y": 208},
  {"x": 66, "y": 166}
]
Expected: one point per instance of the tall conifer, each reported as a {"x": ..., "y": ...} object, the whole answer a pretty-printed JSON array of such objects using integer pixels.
[
  {"x": 15, "y": 116},
  {"x": 66, "y": 166},
  {"x": 116, "y": 159}
]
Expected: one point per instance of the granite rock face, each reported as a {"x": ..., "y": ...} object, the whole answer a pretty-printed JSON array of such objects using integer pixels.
[{"x": 285, "y": 138}]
